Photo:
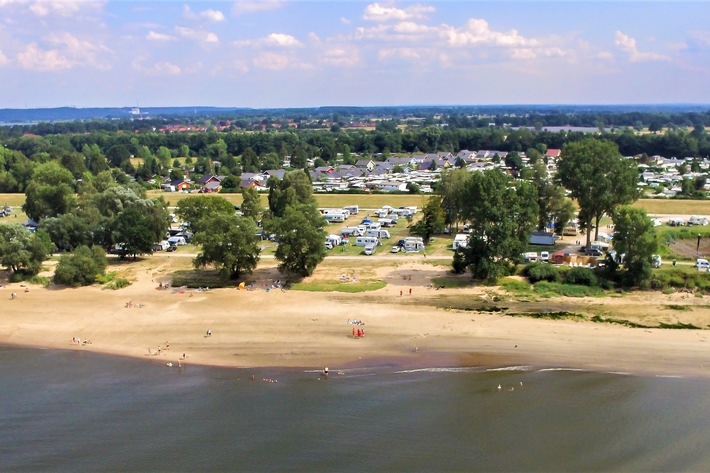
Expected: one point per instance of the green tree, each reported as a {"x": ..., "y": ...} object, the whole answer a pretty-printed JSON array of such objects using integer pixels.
[
  {"x": 501, "y": 213},
  {"x": 451, "y": 188},
  {"x": 67, "y": 232},
  {"x": 295, "y": 188},
  {"x": 81, "y": 267},
  {"x": 599, "y": 178},
  {"x": 432, "y": 222},
  {"x": 132, "y": 231},
  {"x": 229, "y": 243},
  {"x": 50, "y": 192},
  {"x": 635, "y": 237},
  {"x": 301, "y": 239},
  {"x": 194, "y": 209},
  {"x": 22, "y": 251},
  {"x": 117, "y": 155},
  {"x": 251, "y": 204}
]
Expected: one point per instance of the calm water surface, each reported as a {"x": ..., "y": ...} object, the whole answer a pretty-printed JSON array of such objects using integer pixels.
[{"x": 74, "y": 411}]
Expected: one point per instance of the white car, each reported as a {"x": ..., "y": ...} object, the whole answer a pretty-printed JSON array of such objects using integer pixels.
[
  {"x": 702, "y": 264},
  {"x": 395, "y": 249},
  {"x": 545, "y": 256}
]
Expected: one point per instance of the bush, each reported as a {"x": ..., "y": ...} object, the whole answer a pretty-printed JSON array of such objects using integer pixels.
[
  {"x": 581, "y": 276},
  {"x": 117, "y": 283},
  {"x": 80, "y": 268},
  {"x": 536, "y": 272},
  {"x": 549, "y": 289}
]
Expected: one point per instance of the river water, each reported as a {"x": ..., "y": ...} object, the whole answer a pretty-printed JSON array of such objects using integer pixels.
[{"x": 79, "y": 411}]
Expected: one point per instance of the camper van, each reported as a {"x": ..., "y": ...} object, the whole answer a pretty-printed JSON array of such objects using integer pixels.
[
  {"x": 460, "y": 241},
  {"x": 353, "y": 209},
  {"x": 414, "y": 244},
  {"x": 366, "y": 240},
  {"x": 177, "y": 241},
  {"x": 370, "y": 250}
]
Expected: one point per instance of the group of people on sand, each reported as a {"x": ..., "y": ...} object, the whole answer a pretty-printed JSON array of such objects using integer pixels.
[
  {"x": 79, "y": 341},
  {"x": 131, "y": 305},
  {"x": 13, "y": 295}
]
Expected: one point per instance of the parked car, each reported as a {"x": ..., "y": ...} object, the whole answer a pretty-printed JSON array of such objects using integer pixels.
[
  {"x": 545, "y": 256},
  {"x": 395, "y": 249},
  {"x": 171, "y": 248},
  {"x": 593, "y": 252},
  {"x": 702, "y": 264}
]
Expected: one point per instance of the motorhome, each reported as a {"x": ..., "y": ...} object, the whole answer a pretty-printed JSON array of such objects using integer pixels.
[
  {"x": 381, "y": 234},
  {"x": 366, "y": 240},
  {"x": 177, "y": 241},
  {"x": 460, "y": 241},
  {"x": 414, "y": 244},
  {"x": 334, "y": 240},
  {"x": 335, "y": 212},
  {"x": 353, "y": 209},
  {"x": 696, "y": 220},
  {"x": 352, "y": 231},
  {"x": 370, "y": 249}
]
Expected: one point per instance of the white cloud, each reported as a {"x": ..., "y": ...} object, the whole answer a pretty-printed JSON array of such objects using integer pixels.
[
  {"x": 271, "y": 61},
  {"x": 277, "y": 62},
  {"x": 154, "y": 36},
  {"x": 341, "y": 57},
  {"x": 162, "y": 68},
  {"x": 411, "y": 54},
  {"x": 281, "y": 40},
  {"x": 197, "y": 35},
  {"x": 66, "y": 51},
  {"x": 345, "y": 21},
  {"x": 381, "y": 13},
  {"x": 208, "y": 15},
  {"x": 3, "y": 59},
  {"x": 64, "y": 8},
  {"x": 249, "y": 6},
  {"x": 36, "y": 59},
  {"x": 627, "y": 44},
  {"x": 478, "y": 32}
]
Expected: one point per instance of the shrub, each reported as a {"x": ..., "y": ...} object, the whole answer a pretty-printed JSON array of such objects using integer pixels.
[
  {"x": 80, "y": 268},
  {"x": 117, "y": 283},
  {"x": 581, "y": 276},
  {"x": 541, "y": 272}
]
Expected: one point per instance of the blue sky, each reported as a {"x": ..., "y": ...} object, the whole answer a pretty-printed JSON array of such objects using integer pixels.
[{"x": 301, "y": 53}]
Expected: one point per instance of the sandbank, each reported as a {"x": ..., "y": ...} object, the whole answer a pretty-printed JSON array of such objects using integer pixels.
[{"x": 278, "y": 328}]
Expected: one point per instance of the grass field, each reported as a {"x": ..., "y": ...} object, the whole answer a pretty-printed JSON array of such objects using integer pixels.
[
  {"x": 674, "y": 206},
  {"x": 375, "y": 201}
]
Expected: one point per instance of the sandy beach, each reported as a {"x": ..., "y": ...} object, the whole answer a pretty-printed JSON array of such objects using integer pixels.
[{"x": 302, "y": 329}]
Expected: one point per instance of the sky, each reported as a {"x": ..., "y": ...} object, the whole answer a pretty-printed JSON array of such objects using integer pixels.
[{"x": 307, "y": 53}]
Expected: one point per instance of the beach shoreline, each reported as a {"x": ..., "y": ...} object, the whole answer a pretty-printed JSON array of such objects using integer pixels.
[{"x": 296, "y": 329}]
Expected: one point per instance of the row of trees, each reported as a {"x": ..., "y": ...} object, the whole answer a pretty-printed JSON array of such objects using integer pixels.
[{"x": 232, "y": 153}]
